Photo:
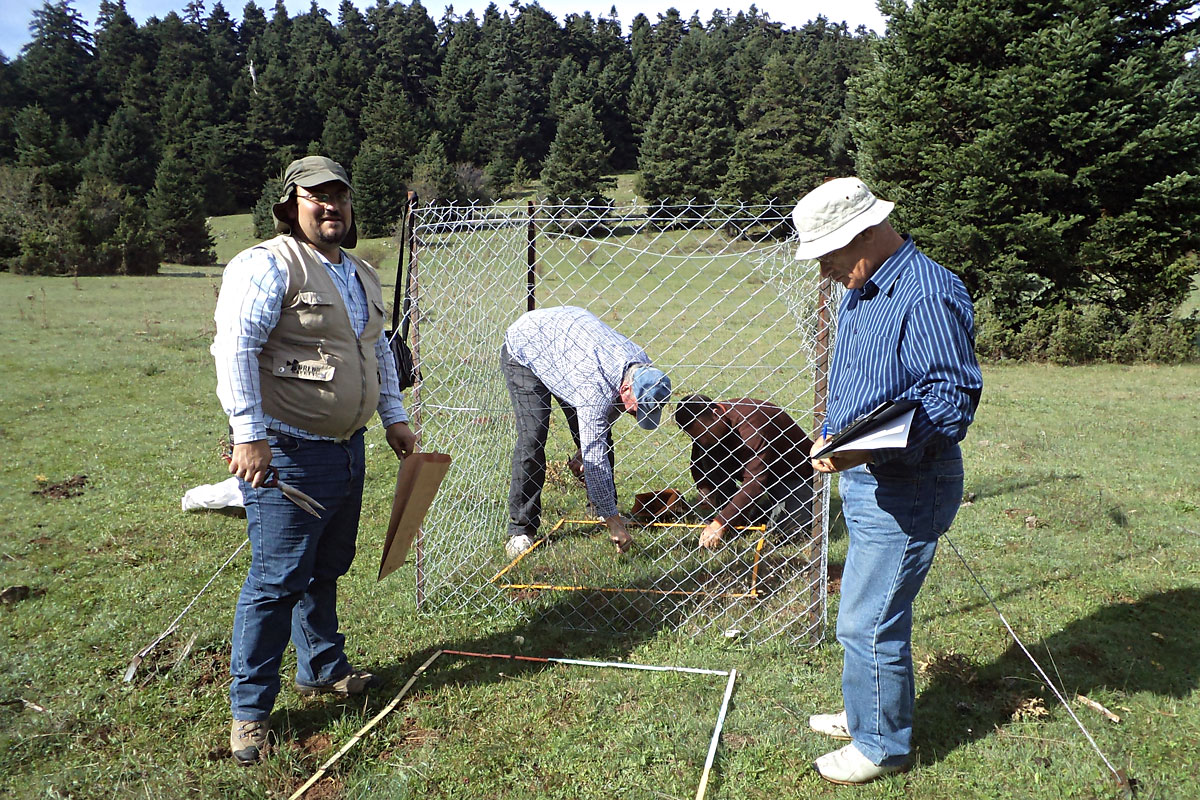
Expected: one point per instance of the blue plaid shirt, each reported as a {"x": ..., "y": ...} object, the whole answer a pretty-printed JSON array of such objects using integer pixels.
[
  {"x": 908, "y": 333},
  {"x": 248, "y": 309},
  {"x": 581, "y": 361}
]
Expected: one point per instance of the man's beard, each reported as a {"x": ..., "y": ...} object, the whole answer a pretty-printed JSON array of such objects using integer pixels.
[{"x": 331, "y": 238}]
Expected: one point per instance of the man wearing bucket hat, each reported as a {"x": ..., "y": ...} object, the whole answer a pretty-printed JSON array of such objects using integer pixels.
[
  {"x": 302, "y": 365},
  {"x": 905, "y": 331},
  {"x": 594, "y": 372}
]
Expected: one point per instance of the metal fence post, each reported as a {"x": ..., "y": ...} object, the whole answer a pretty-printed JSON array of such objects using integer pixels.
[{"x": 531, "y": 260}]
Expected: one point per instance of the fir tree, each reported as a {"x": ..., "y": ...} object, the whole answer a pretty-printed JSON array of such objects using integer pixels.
[
  {"x": 10, "y": 101},
  {"x": 379, "y": 188},
  {"x": 57, "y": 66},
  {"x": 262, "y": 214},
  {"x": 1049, "y": 151},
  {"x": 176, "y": 212},
  {"x": 574, "y": 171},
  {"x": 686, "y": 146},
  {"x": 463, "y": 68},
  {"x": 120, "y": 47},
  {"x": 338, "y": 140},
  {"x": 126, "y": 154},
  {"x": 434, "y": 178},
  {"x": 48, "y": 151}
]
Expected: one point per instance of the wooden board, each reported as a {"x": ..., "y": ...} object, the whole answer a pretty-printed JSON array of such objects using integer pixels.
[{"x": 417, "y": 483}]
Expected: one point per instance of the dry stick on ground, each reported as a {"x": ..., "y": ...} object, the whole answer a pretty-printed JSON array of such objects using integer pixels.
[
  {"x": 321, "y": 772},
  {"x": 1092, "y": 704}
]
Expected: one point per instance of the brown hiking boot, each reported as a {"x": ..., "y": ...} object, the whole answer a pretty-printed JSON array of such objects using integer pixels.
[
  {"x": 356, "y": 681},
  {"x": 249, "y": 740}
]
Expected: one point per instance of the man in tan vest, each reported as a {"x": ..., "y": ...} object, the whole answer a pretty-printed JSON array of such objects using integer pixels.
[{"x": 302, "y": 365}]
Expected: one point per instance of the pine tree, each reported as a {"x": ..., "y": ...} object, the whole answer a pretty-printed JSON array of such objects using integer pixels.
[
  {"x": 1049, "y": 151},
  {"x": 433, "y": 177},
  {"x": 57, "y": 66},
  {"x": 176, "y": 212},
  {"x": 686, "y": 147},
  {"x": 574, "y": 171},
  {"x": 126, "y": 154}
]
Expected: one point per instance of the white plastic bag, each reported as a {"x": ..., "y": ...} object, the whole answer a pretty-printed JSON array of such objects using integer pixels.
[{"x": 225, "y": 494}]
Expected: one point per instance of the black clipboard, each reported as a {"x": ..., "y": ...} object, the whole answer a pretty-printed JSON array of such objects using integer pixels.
[{"x": 877, "y": 417}]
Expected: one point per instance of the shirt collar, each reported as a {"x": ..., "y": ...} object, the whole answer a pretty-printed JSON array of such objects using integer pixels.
[
  {"x": 890, "y": 271},
  {"x": 341, "y": 267}
]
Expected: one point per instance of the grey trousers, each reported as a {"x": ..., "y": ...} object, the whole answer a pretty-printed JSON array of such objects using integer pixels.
[
  {"x": 791, "y": 514},
  {"x": 531, "y": 406}
]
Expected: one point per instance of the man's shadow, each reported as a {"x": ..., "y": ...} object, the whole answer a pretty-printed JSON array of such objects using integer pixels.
[
  {"x": 1144, "y": 646},
  {"x": 544, "y": 634}
]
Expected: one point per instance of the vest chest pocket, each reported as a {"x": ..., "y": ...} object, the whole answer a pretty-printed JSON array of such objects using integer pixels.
[
  {"x": 313, "y": 309},
  {"x": 304, "y": 370}
]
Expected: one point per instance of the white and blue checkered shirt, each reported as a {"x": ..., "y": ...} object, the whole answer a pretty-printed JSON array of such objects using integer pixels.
[
  {"x": 581, "y": 361},
  {"x": 248, "y": 309}
]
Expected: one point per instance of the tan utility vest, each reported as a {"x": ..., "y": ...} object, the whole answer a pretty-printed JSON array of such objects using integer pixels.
[{"x": 315, "y": 373}]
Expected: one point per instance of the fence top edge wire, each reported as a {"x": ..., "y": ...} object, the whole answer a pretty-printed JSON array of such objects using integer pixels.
[{"x": 724, "y": 213}]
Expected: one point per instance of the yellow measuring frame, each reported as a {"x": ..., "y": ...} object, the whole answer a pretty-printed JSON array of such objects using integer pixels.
[{"x": 753, "y": 591}]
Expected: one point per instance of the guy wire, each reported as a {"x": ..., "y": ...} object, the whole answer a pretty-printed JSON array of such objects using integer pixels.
[{"x": 1045, "y": 678}]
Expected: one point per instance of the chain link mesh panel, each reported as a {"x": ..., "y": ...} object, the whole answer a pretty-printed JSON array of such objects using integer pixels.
[{"x": 714, "y": 296}]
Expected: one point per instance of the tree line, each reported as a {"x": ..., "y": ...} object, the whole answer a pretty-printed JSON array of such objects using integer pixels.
[{"x": 1049, "y": 152}]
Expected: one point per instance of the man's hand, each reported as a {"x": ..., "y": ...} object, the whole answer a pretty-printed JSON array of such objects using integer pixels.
[
  {"x": 617, "y": 533},
  {"x": 710, "y": 537},
  {"x": 250, "y": 461},
  {"x": 575, "y": 464},
  {"x": 401, "y": 439},
  {"x": 839, "y": 462}
]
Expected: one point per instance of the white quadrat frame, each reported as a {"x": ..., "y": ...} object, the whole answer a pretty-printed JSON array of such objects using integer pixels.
[{"x": 714, "y": 742}]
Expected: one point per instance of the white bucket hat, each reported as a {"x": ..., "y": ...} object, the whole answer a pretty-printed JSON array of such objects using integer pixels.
[{"x": 835, "y": 212}]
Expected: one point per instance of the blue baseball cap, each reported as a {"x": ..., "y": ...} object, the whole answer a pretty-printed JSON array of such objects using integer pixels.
[{"x": 652, "y": 390}]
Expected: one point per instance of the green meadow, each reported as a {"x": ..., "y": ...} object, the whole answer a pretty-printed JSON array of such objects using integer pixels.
[{"x": 1082, "y": 520}]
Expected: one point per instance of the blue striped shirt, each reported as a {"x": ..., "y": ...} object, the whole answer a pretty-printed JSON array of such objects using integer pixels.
[
  {"x": 909, "y": 333},
  {"x": 248, "y": 308},
  {"x": 582, "y": 362}
]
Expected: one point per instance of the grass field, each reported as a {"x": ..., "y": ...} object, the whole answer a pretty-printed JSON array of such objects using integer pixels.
[{"x": 1083, "y": 520}]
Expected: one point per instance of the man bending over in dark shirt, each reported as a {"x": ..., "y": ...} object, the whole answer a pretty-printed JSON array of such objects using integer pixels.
[{"x": 748, "y": 458}]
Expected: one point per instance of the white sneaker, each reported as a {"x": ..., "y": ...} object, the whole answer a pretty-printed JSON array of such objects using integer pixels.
[
  {"x": 848, "y": 767},
  {"x": 517, "y": 545},
  {"x": 831, "y": 725}
]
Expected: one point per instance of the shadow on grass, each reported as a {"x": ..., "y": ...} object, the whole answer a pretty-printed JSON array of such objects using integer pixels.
[
  {"x": 1003, "y": 486},
  {"x": 1033, "y": 586},
  {"x": 1144, "y": 646},
  {"x": 541, "y": 636}
]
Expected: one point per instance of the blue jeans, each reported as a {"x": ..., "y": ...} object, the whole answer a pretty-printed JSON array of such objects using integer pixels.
[
  {"x": 291, "y": 588},
  {"x": 894, "y": 515}
]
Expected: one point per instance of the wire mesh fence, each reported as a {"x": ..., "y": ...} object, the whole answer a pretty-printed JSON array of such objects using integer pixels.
[{"x": 715, "y": 298}]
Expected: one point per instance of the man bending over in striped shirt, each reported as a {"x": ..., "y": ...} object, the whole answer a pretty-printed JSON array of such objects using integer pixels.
[
  {"x": 905, "y": 330},
  {"x": 595, "y": 373}
]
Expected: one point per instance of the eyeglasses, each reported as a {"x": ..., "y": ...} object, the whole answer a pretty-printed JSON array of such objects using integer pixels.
[{"x": 340, "y": 198}]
